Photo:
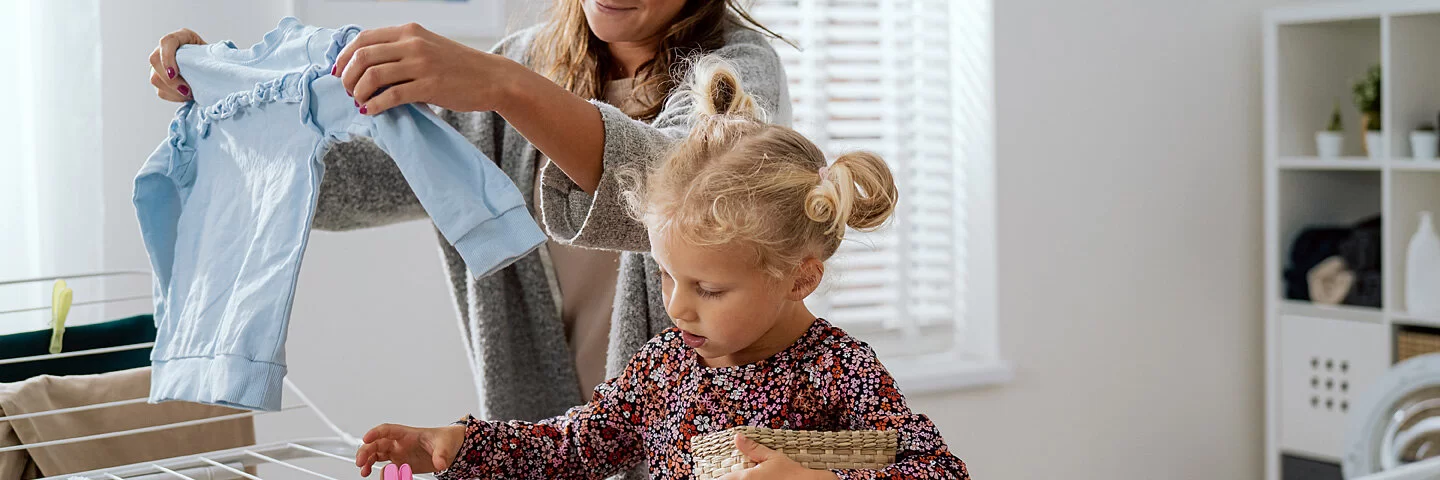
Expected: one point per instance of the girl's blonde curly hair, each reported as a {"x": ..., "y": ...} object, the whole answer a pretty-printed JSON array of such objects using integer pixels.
[{"x": 738, "y": 180}]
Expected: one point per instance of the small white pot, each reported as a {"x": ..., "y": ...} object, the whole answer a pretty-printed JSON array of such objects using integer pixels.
[
  {"x": 1375, "y": 143},
  {"x": 1422, "y": 145},
  {"x": 1329, "y": 144}
]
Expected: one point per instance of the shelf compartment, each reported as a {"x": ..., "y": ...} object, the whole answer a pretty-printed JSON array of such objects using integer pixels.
[
  {"x": 1411, "y": 192},
  {"x": 1322, "y": 198},
  {"x": 1325, "y": 364},
  {"x": 1414, "y": 78},
  {"x": 1412, "y": 341},
  {"x": 1317, "y": 65}
]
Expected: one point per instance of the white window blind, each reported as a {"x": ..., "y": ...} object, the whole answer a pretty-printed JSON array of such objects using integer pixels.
[{"x": 894, "y": 77}]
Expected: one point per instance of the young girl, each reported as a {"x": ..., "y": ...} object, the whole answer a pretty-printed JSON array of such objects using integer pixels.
[{"x": 741, "y": 217}]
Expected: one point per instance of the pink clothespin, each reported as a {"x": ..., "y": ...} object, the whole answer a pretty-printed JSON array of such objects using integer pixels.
[{"x": 400, "y": 472}]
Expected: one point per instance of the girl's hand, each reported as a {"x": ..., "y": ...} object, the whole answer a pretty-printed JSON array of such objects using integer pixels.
[
  {"x": 164, "y": 73},
  {"x": 425, "y": 449},
  {"x": 771, "y": 464},
  {"x": 418, "y": 65}
]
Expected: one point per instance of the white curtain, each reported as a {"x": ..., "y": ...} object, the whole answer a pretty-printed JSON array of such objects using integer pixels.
[{"x": 51, "y": 213}]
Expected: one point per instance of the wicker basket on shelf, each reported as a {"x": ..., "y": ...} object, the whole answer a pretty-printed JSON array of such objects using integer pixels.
[
  {"x": 715, "y": 453},
  {"x": 1415, "y": 342}
]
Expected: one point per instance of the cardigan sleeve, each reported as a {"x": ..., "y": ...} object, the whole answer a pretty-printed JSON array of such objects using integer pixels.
[
  {"x": 363, "y": 188},
  {"x": 602, "y": 220}
]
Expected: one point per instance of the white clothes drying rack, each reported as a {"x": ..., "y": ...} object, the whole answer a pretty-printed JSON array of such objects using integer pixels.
[{"x": 224, "y": 464}]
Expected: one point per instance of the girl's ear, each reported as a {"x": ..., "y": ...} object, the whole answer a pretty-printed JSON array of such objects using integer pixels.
[{"x": 807, "y": 279}]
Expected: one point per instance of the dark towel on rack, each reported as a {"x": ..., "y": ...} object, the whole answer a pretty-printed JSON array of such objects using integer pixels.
[{"x": 114, "y": 333}]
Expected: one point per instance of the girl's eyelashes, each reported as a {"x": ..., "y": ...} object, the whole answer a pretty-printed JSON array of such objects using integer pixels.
[
  {"x": 701, "y": 291},
  {"x": 706, "y": 293}
]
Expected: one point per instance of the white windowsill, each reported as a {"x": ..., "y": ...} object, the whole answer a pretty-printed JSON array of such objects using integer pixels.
[{"x": 945, "y": 377}]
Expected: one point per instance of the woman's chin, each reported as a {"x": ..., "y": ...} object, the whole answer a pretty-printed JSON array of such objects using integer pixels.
[
  {"x": 614, "y": 37},
  {"x": 611, "y": 32}
]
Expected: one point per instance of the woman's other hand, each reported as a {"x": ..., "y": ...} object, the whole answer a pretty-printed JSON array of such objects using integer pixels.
[
  {"x": 414, "y": 65},
  {"x": 164, "y": 73}
]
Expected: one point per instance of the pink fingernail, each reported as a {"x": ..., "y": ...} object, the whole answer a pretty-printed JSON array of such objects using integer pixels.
[
  {"x": 356, "y": 102},
  {"x": 184, "y": 90},
  {"x": 363, "y": 110},
  {"x": 332, "y": 69},
  {"x": 391, "y": 472},
  {"x": 405, "y": 472},
  {"x": 170, "y": 71}
]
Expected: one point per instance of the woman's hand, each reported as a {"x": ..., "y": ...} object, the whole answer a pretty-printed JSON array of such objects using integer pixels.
[
  {"x": 425, "y": 449},
  {"x": 771, "y": 464},
  {"x": 415, "y": 65},
  {"x": 164, "y": 73}
]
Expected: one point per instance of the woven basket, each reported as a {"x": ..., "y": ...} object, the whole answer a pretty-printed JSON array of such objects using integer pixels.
[
  {"x": 1414, "y": 343},
  {"x": 715, "y": 453}
]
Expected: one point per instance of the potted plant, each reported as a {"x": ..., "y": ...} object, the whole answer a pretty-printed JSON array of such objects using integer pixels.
[
  {"x": 1331, "y": 140},
  {"x": 1367, "y": 100},
  {"x": 1422, "y": 141}
]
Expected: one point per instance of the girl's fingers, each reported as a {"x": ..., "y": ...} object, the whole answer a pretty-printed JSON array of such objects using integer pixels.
[
  {"x": 365, "y": 458},
  {"x": 381, "y": 431}
]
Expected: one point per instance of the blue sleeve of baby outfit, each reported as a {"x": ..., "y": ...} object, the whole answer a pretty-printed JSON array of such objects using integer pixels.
[
  {"x": 476, "y": 207},
  {"x": 159, "y": 187},
  {"x": 472, "y": 202}
]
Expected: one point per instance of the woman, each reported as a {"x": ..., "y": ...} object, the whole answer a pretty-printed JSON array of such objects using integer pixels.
[{"x": 537, "y": 332}]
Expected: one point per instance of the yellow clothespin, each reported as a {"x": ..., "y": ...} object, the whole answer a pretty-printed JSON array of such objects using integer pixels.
[{"x": 60, "y": 299}]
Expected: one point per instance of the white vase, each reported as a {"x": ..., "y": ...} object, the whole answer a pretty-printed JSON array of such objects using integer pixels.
[
  {"x": 1422, "y": 145},
  {"x": 1329, "y": 144},
  {"x": 1375, "y": 144},
  {"x": 1422, "y": 270}
]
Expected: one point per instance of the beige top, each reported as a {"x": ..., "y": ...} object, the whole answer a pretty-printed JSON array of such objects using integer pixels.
[{"x": 587, "y": 280}]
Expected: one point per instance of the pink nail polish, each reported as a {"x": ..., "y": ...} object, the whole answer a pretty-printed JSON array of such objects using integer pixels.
[
  {"x": 184, "y": 90},
  {"x": 406, "y": 473},
  {"x": 363, "y": 110},
  {"x": 170, "y": 71},
  {"x": 356, "y": 102},
  {"x": 391, "y": 472},
  {"x": 332, "y": 69}
]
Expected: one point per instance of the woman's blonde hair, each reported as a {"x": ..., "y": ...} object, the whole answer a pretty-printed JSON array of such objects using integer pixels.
[
  {"x": 738, "y": 180},
  {"x": 567, "y": 52}
]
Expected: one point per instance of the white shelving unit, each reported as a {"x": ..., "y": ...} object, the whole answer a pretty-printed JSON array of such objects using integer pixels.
[{"x": 1320, "y": 358}]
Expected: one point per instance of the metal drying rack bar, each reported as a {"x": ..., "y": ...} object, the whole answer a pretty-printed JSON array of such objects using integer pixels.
[{"x": 223, "y": 464}]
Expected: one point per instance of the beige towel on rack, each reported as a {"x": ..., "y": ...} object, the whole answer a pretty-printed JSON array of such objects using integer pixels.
[
  {"x": 46, "y": 392},
  {"x": 15, "y": 465}
]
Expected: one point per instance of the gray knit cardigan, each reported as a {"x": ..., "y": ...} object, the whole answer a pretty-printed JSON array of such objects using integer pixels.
[{"x": 514, "y": 337}]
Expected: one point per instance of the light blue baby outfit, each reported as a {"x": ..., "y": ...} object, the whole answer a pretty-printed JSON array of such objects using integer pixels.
[{"x": 225, "y": 205}]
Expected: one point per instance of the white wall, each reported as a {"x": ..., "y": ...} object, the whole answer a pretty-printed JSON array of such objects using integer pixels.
[
  {"x": 373, "y": 334},
  {"x": 1129, "y": 245}
]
